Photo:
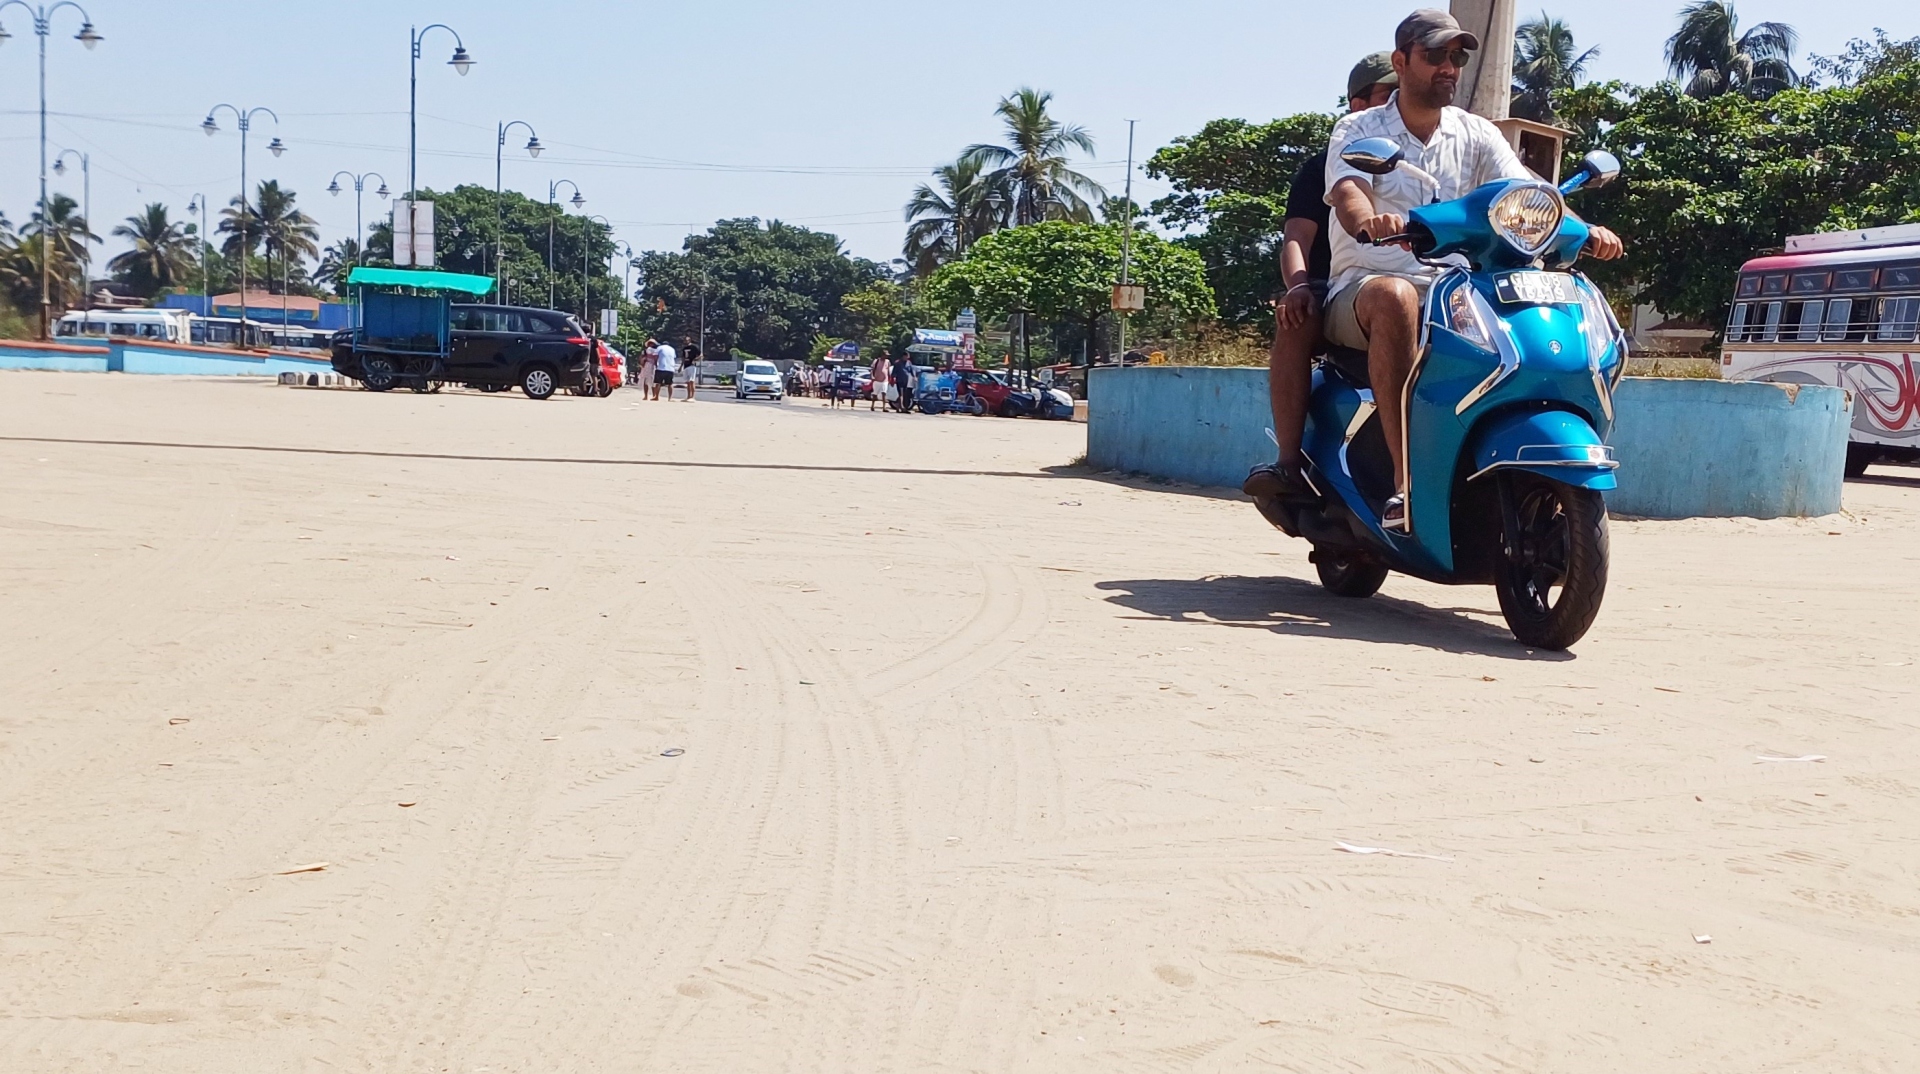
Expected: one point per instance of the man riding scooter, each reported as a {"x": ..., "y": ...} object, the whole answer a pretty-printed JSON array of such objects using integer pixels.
[
  {"x": 1377, "y": 292},
  {"x": 1305, "y": 260}
]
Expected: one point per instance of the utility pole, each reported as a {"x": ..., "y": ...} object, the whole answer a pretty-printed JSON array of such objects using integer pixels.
[
  {"x": 1126, "y": 246},
  {"x": 1486, "y": 86}
]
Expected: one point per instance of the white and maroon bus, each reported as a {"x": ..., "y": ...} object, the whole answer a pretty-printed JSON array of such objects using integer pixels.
[{"x": 1839, "y": 308}]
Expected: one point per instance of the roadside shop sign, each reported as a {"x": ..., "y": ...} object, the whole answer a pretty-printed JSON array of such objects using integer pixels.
[{"x": 1129, "y": 298}]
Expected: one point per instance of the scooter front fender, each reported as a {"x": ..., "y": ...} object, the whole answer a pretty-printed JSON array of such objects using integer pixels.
[{"x": 1556, "y": 444}]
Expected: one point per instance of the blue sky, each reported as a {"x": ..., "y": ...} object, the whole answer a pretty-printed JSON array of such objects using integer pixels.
[{"x": 672, "y": 115}]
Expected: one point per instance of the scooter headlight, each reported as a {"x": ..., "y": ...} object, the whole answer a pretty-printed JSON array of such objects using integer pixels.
[{"x": 1528, "y": 217}]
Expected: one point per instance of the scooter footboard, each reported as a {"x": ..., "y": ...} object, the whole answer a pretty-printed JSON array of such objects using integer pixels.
[{"x": 1556, "y": 444}]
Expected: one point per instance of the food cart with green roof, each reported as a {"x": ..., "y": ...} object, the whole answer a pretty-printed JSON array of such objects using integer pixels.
[{"x": 404, "y": 329}]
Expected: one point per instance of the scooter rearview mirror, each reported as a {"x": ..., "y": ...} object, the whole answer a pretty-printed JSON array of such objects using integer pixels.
[
  {"x": 1601, "y": 167},
  {"x": 1375, "y": 156}
]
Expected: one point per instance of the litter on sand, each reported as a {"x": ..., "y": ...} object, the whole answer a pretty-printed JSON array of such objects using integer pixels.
[
  {"x": 674, "y": 752},
  {"x": 1383, "y": 851},
  {"x": 1811, "y": 757},
  {"x": 314, "y": 868},
  {"x": 176, "y": 721},
  {"x": 407, "y": 805},
  {"x": 1701, "y": 937}
]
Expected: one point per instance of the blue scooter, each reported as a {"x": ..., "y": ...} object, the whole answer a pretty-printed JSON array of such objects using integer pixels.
[{"x": 1506, "y": 412}]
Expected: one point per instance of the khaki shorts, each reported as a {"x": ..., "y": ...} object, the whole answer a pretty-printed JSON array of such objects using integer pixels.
[{"x": 1339, "y": 324}]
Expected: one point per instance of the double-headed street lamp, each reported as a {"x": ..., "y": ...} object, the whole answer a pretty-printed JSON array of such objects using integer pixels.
[
  {"x": 277, "y": 147},
  {"x": 625, "y": 249},
  {"x": 461, "y": 62},
  {"x": 359, "y": 221},
  {"x": 577, "y": 201},
  {"x": 499, "y": 212},
  {"x": 88, "y": 36},
  {"x": 86, "y": 216}
]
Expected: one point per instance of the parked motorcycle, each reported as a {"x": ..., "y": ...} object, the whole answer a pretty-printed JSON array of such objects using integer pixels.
[{"x": 1506, "y": 413}]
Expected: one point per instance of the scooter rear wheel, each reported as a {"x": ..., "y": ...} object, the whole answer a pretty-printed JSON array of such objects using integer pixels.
[
  {"x": 1554, "y": 539},
  {"x": 1348, "y": 575}
]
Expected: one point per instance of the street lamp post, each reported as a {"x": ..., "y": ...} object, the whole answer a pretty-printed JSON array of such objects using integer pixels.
[
  {"x": 462, "y": 63},
  {"x": 499, "y": 210},
  {"x": 359, "y": 219},
  {"x": 553, "y": 194},
  {"x": 624, "y": 249},
  {"x": 88, "y": 36},
  {"x": 586, "y": 260},
  {"x": 277, "y": 147},
  {"x": 86, "y": 216},
  {"x": 199, "y": 205}
]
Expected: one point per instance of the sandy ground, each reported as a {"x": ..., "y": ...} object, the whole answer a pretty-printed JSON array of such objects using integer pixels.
[{"x": 987, "y": 767}]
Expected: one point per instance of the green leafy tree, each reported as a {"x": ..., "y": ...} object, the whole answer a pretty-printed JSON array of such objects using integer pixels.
[
  {"x": 1711, "y": 183},
  {"x": 1230, "y": 184},
  {"x": 1712, "y": 56},
  {"x": 769, "y": 289},
  {"x": 1545, "y": 61},
  {"x": 162, "y": 253},
  {"x": 1060, "y": 270},
  {"x": 336, "y": 264},
  {"x": 1032, "y": 167}
]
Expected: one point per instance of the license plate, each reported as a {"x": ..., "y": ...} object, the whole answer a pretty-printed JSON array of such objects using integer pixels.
[{"x": 1537, "y": 288}]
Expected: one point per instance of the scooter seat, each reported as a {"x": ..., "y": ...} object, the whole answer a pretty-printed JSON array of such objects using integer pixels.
[{"x": 1349, "y": 363}]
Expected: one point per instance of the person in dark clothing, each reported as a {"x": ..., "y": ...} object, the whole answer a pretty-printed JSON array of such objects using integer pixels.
[
  {"x": 1305, "y": 265},
  {"x": 903, "y": 383}
]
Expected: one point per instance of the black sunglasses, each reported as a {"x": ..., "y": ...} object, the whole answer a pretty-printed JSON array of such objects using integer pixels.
[{"x": 1437, "y": 56}]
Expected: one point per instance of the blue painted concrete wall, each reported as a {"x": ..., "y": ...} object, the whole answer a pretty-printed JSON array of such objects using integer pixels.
[
  {"x": 65, "y": 359},
  {"x": 133, "y": 357},
  {"x": 1687, "y": 448}
]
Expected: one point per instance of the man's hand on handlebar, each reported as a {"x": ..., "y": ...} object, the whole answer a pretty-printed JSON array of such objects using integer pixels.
[
  {"x": 1384, "y": 229},
  {"x": 1603, "y": 245},
  {"x": 1295, "y": 307}
]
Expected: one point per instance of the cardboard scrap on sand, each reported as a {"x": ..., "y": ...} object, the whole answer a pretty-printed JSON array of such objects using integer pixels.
[{"x": 316, "y": 867}]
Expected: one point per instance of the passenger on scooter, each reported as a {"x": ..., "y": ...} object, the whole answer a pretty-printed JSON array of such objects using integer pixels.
[
  {"x": 1375, "y": 298},
  {"x": 1304, "y": 268}
]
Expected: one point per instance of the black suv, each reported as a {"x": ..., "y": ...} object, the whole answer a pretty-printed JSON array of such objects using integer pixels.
[{"x": 492, "y": 348}]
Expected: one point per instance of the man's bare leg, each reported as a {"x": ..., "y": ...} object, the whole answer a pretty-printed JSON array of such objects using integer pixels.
[
  {"x": 1289, "y": 379},
  {"x": 1388, "y": 311}
]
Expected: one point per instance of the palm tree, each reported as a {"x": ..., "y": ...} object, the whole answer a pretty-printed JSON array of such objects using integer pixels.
[
  {"x": 943, "y": 222},
  {"x": 1713, "y": 57},
  {"x": 1544, "y": 61},
  {"x": 66, "y": 232},
  {"x": 1032, "y": 166},
  {"x": 162, "y": 253},
  {"x": 336, "y": 263}
]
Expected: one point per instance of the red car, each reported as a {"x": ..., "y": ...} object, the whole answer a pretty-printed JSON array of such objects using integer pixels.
[{"x": 989, "y": 388}]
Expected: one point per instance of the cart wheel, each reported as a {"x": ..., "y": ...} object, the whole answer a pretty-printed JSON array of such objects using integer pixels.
[{"x": 378, "y": 374}]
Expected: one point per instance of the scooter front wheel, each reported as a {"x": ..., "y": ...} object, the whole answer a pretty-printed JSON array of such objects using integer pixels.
[
  {"x": 1346, "y": 574},
  {"x": 1551, "y": 571}
]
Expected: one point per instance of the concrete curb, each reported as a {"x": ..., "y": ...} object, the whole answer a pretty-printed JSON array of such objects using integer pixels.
[
  {"x": 1687, "y": 448},
  {"x": 317, "y": 380}
]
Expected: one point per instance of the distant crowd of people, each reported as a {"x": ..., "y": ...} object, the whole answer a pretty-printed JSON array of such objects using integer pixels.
[{"x": 887, "y": 382}]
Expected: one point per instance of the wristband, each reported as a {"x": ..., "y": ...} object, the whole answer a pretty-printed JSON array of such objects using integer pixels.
[{"x": 1297, "y": 287}]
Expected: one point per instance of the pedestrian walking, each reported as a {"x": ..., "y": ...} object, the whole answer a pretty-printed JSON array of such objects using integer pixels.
[
  {"x": 691, "y": 362},
  {"x": 649, "y": 365},
  {"x": 903, "y": 384},
  {"x": 666, "y": 363},
  {"x": 882, "y": 377}
]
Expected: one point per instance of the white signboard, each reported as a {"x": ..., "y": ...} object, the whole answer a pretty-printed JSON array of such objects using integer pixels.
[
  {"x": 609, "y": 322},
  {"x": 413, "y": 234}
]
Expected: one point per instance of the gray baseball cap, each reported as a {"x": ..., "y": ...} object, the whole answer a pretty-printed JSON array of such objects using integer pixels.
[
  {"x": 1375, "y": 70},
  {"x": 1431, "y": 28}
]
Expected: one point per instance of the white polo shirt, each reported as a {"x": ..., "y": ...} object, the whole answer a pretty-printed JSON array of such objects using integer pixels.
[{"x": 1467, "y": 151}]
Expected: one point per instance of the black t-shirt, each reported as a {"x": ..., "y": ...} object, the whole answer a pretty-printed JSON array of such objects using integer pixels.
[{"x": 1308, "y": 201}]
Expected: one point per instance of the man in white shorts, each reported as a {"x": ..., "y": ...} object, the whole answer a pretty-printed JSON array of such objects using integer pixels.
[{"x": 1377, "y": 292}]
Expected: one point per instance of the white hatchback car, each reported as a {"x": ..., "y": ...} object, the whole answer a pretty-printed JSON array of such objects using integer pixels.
[{"x": 760, "y": 379}]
